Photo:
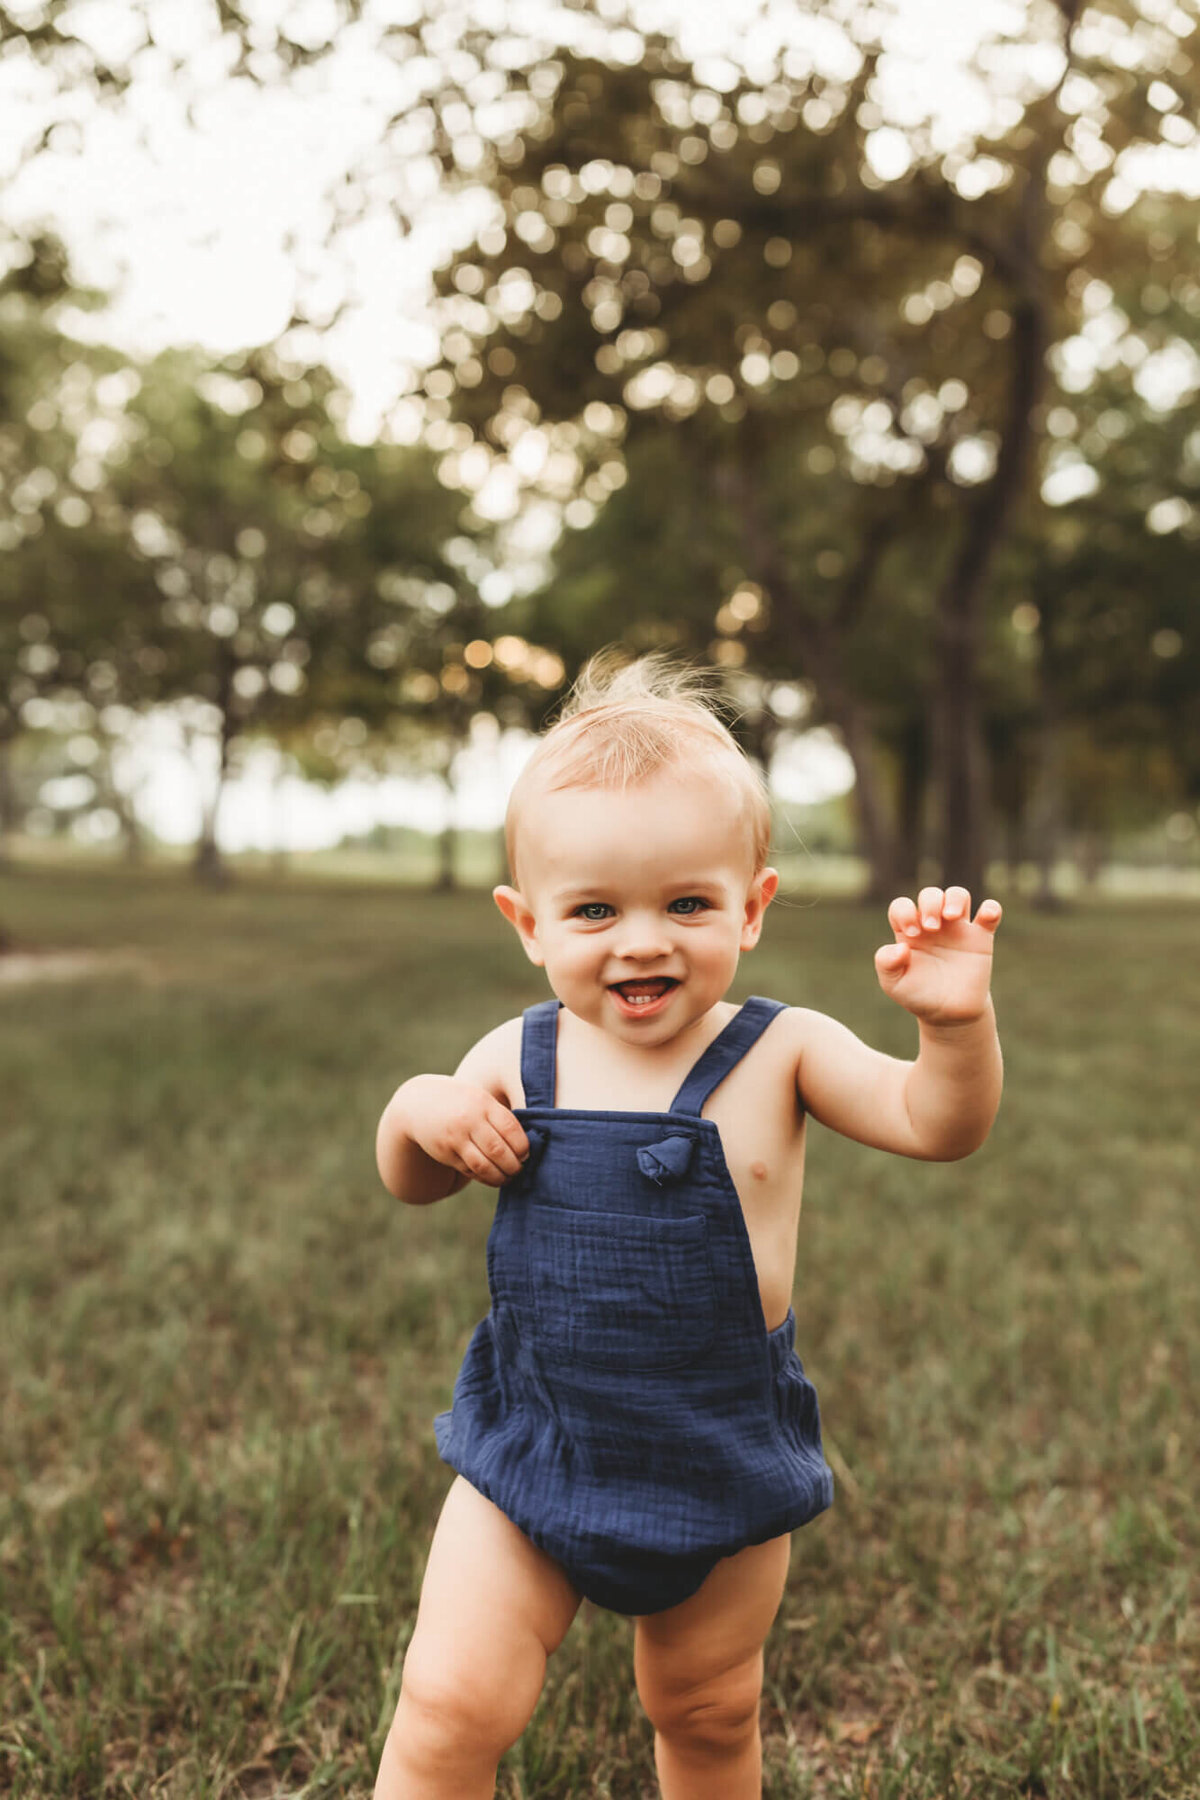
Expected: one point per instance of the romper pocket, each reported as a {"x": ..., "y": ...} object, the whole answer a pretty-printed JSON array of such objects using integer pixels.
[{"x": 621, "y": 1290}]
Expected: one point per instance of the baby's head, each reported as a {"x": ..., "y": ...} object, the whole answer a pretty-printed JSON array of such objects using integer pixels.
[{"x": 637, "y": 839}]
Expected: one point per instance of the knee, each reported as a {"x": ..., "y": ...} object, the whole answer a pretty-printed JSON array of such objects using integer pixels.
[
  {"x": 717, "y": 1714},
  {"x": 452, "y": 1712}
]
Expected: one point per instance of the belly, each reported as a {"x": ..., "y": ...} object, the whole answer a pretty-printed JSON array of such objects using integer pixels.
[{"x": 773, "y": 1248}]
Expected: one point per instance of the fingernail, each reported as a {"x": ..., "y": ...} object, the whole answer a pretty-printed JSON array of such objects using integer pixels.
[
  {"x": 912, "y": 931},
  {"x": 930, "y": 924}
]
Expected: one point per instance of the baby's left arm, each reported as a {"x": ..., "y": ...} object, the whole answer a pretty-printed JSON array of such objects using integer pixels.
[{"x": 941, "y": 1106}]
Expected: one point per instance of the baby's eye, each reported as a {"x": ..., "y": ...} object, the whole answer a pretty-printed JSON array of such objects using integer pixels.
[
  {"x": 691, "y": 903},
  {"x": 593, "y": 910}
]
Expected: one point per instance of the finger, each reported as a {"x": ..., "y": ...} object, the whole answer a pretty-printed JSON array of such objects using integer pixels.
[
  {"x": 929, "y": 905},
  {"x": 957, "y": 904},
  {"x": 480, "y": 1167},
  {"x": 891, "y": 959},
  {"x": 902, "y": 917},
  {"x": 509, "y": 1128},
  {"x": 497, "y": 1149},
  {"x": 989, "y": 915}
]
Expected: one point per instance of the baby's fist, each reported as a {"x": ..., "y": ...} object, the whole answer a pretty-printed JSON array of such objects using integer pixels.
[{"x": 466, "y": 1128}]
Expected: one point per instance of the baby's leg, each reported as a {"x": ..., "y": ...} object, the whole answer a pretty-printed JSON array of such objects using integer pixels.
[
  {"x": 699, "y": 1670},
  {"x": 493, "y": 1606}
]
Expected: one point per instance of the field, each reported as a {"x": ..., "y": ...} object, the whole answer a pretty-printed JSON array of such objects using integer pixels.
[{"x": 222, "y": 1345}]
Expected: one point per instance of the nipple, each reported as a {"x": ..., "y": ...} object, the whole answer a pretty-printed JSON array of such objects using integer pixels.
[{"x": 759, "y": 1171}]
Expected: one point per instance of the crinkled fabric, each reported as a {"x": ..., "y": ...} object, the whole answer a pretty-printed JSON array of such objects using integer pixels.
[{"x": 623, "y": 1402}]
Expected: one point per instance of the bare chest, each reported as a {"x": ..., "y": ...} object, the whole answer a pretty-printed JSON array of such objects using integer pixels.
[{"x": 763, "y": 1138}]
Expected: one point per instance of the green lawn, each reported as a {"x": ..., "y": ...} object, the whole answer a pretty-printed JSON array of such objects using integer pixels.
[{"x": 222, "y": 1345}]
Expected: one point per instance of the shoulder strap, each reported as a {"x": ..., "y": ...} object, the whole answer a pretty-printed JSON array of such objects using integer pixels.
[
  {"x": 727, "y": 1048},
  {"x": 539, "y": 1046}
]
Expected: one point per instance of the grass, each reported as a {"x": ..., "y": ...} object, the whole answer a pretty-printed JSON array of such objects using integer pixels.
[{"x": 222, "y": 1345}]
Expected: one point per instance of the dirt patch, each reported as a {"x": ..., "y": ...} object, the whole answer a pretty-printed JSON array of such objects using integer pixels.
[{"x": 19, "y": 966}]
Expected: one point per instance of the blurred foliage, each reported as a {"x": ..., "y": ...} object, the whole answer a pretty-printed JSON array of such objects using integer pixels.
[
  {"x": 207, "y": 536},
  {"x": 845, "y": 394},
  {"x": 740, "y": 364}
]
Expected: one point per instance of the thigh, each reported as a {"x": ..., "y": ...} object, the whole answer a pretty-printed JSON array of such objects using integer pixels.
[
  {"x": 718, "y": 1629},
  {"x": 493, "y": 1607}
]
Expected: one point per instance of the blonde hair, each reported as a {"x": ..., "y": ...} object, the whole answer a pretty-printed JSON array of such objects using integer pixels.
[{"x": 622, "y": 721}]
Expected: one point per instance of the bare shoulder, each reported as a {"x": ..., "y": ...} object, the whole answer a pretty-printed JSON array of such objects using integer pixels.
[
  {"x": 804, "y": 1025},
  {"x": 793, "y": 1028},
  {"x": 777, "y": 1054},
  {"x": 494, "y": 1063},
  {"x": 803, "y": 1033},
  {"x": 805, "y": 1022}
]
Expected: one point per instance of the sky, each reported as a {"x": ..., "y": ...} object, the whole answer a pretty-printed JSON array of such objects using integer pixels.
[{"x": 202, "y": 229}]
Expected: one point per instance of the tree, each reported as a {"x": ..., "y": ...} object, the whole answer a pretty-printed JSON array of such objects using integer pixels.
[
  {"x": 63, "y": 631},
  {"x": 53, "y": 39},
  {"x": 301, "y": 575},
  {"x": 700, "y": 248}
]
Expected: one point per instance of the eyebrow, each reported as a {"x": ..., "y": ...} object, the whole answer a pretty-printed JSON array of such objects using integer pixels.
[{"x": 703, "y": 883}]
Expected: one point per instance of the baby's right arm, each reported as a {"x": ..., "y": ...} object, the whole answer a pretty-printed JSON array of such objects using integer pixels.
[{"x": 440, "y": 1131}]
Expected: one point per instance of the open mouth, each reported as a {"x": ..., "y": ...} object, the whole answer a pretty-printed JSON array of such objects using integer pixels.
[{"x": 643, "y": 996}]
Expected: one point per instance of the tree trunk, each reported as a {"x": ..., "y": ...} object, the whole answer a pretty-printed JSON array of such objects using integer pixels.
[
  {"x": 10, "y": 812},
  {"x": 131, "y": 832},
  {"x": 1014, "y": 846},
  {"x": 209, "y": 867},
  {"x": 1091, "y": 854},
  {"x": 446, "y": 879},
  {"x": 960, "y": 753},
  {"x": 820, "y": 651},
  {"x": 880, "y": 842},
  {"x": 913, "y": 785},
  {"x": 112, "y": 794},
  {"x": 1017, "y": 260},
  {"x": 958, "y": 737},
  {"x": 1048, "y": 825},
  {"x": 1047, "y": 810},
  {"x": 1012, "y": 783},
  {"x": 8, "y": 818},
  {"x": 279, "y": 850}
]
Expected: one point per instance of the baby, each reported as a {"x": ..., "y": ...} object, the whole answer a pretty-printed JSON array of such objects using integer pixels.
[{"x": 631, "y": 1422}]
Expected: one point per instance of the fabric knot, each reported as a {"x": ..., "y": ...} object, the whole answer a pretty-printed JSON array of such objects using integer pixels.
[
  {"x": 538, "y": 1137},
  {"x": 667, "y": 1160}
]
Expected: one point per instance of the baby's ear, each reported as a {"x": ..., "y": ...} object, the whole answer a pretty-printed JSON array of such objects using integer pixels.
[
  {"x": 520, "y": 916},
  {"x": 760, "y": 895}
]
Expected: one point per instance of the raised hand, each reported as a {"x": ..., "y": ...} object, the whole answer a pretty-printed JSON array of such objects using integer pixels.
[{"x": 940, "y": 965}]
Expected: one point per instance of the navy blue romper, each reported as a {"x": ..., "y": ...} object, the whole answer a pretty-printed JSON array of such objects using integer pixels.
[{"x": 623, "y": 1402}]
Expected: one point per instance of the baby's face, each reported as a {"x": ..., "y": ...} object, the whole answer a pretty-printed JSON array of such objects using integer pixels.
[{"x": 638, "y": 903}]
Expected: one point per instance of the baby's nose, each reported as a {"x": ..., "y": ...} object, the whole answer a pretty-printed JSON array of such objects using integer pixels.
[{"x": 643, "y": 938}]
